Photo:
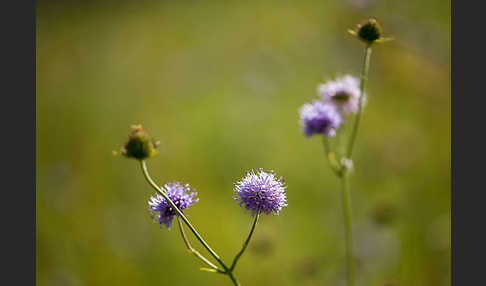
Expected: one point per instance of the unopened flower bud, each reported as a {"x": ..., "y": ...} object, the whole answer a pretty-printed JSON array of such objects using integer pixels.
[
  {"x": 384, "y": 213},
  {"x": 140, "y": 144},
  {"x": 369, "y": 31}
]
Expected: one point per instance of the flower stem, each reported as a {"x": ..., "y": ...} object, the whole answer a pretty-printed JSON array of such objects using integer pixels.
[
  {"x": 364, "y": 79},
  {"x": 194, "y": 251},
  {"x": 233, "y": 279},
  {"x": 235, "y": 260},
  {"x": 343, "y": 172},
  {"x": 226, "y": 270},
  {"x": 346, "y": 199},
  {"x": 143, "y": 164},
  {"x": 331, "y": 156}
]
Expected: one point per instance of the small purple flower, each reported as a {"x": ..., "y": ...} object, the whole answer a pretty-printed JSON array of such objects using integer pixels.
[
  {"x": 180, "y": 194},
  {"x": 318, "y": 118},
  {"x": 261, "y": 192},
  {"x": 343, "y": 93}
]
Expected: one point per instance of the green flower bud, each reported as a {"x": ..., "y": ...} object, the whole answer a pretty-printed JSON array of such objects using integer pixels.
[
  {"x": 140, "y": 144},
  {"x": 384, "y": 213},
  {"x": 369, "y": 31}
]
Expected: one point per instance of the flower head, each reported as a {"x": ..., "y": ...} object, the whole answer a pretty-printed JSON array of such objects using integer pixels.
[
  {"x": 319, "y": 118},
  {"x": 140, "y": 144},
  {"x": 179, "y": 194},
  {"x": 369, "y": 31},
  {"x": 343, "y": 93},
  {"x": 261, "y": 192}
]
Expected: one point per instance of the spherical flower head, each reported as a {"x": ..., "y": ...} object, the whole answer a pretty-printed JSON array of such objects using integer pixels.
[
  {"x": 140, "y": 144},
  {"x": 261, "y": 192},
  {"x": 369, "y": 31},
  {"x": 319, "y": 118},
  {"x": 181, "y": 195},
  {"x": 343, "y": 93}
]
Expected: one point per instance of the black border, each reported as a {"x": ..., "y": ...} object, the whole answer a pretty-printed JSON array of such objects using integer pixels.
[
  {"x": 467, "y": 143},
  {"x": 17, "y": 212}
]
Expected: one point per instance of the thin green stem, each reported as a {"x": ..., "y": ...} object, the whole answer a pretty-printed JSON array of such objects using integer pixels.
[
  {"x": 364, "y": 79},
  {"x": 235, "y": 260},
  {"x": 226, "y": 270},
  {"x": 348, "y": 229},
  {"x": 194, "y": 251},
  {"x": 331, "y": 156},
  {"x": 233, "y": 279},
  {"x": 143, "y": 164},
  {"x": 343, "y": 171}
]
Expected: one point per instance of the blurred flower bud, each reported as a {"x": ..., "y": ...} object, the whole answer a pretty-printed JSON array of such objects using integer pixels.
[
  {"x": 263, "y": 245},
  {"x": 369, "y": 31},
  {"x": 384, "y": 213},
  {"x": 140, "y": 144},
  {"x": 391, "y": 283}
]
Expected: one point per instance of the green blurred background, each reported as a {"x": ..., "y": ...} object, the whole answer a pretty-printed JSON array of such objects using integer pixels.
[{"x": 219, "y": 83}]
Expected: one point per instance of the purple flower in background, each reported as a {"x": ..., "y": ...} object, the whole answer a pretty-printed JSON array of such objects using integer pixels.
[
  {"x": 343, "y": 93},
  {"x": 261, "y": 192},
  {"x": 318, "y": 118},
  {"x": 182, "y": 197}
]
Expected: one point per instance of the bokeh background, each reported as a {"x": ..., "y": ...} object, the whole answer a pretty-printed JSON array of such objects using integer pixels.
[{"x": 219, "y": 83}]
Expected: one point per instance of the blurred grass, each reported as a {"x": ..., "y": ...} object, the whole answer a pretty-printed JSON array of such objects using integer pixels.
[{"x": 219, "y": 84}]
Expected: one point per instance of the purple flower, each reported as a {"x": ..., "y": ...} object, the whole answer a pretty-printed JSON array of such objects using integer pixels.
[
  {"x": 261, "y": 192},
  {"x": 319, "y": 118},
  {"x": 343, "y": 93},
  {"x": 182, "y": 197}
]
